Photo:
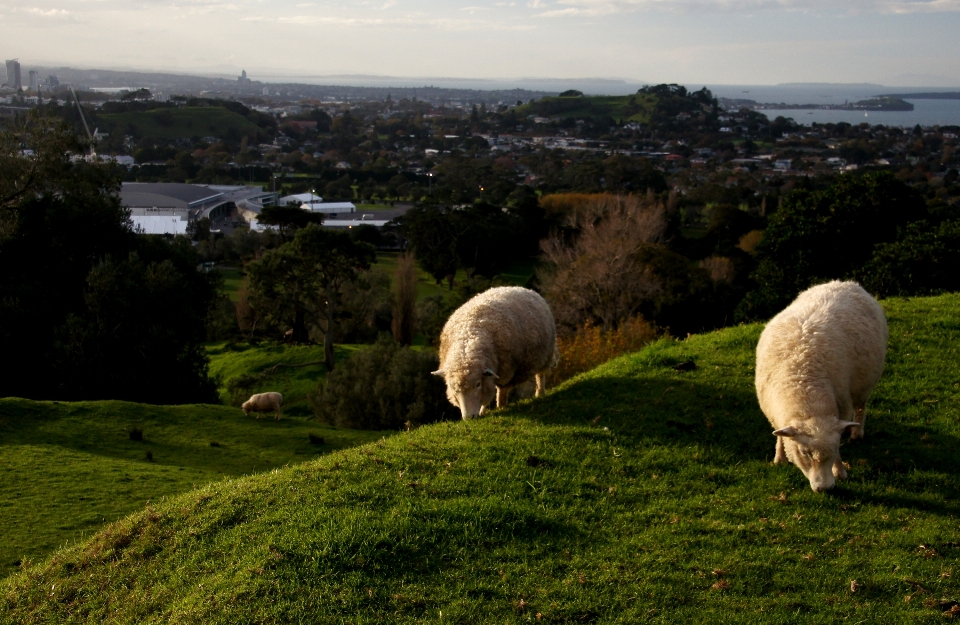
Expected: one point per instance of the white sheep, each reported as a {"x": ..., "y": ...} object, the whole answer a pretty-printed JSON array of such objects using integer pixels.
[
  {"x": 499, "y": 339},
  {"x": 817, "y": 362},
  {"x": 263, "y": 402}
]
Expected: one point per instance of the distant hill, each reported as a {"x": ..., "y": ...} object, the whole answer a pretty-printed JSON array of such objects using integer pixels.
[
  {"x": 934, "y": 95},
  {"x": 181, "y": 123},
  {"x": 662, "y": 104},
  {"x": 640, "y": 491}
]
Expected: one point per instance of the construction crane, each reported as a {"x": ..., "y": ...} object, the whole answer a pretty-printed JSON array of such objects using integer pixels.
[{"x": 92, "y": 137}]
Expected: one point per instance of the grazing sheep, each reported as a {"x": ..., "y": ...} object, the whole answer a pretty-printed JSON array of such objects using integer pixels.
[
  {"x": 263, "y": 402},
  {"x": 499, "y": 339},
  {"x": 817, "y": 362}
]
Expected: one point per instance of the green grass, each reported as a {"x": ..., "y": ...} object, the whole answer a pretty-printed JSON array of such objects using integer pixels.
[
  {"x": 633, "y": 493},
  {"x": 230, "y": 360},
  {"x": 67, "y": 468},
  {"x": 182, "y": 123},
  {"x": 233, "y": 279}
]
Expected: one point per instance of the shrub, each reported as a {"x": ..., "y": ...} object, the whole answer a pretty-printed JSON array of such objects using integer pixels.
[
  {"x": 590, "y": 346},
  {"x": 383, "y": 387},
  {"x": 241, "y": 387}
]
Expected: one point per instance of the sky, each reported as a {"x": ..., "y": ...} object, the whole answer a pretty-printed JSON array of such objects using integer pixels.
[{"x": 749, "y": 42}]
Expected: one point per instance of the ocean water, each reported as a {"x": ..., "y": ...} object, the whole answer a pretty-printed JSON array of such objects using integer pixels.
[{"x": 925, "y": 113}]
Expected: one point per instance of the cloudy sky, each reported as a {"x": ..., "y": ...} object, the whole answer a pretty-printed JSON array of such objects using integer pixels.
[{"x": 892, "y": 42}]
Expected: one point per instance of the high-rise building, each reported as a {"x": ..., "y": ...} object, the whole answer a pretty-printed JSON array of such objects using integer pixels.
[
  {"x": 243, "y": 77},
  {"x": 34, "y": 79},
  {"x": 13, "y": 74},
  {"x": 53, "y": 81}
]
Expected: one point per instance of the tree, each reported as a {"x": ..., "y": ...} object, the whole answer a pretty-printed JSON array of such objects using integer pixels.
[
  {"x": 434, "y": 236},
  {"x": 288, "y": 218},
  {"x": 481, "y": 238},
  {"x": 139, "y": 94},
  {"x": 824, "y": 235},
  {"x": 300, "y": 282},
  {"x": 601, "y": 276},
  {"x": 92, "y": 310}
]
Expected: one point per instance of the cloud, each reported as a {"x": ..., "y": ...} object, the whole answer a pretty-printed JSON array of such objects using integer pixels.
[
  {"x": 611, "y": 7},
  {"x": 55, "y": 13},
  {"x": 406, "y": 22}
]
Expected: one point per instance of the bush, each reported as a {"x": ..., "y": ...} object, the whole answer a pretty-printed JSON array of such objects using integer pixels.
[
  {"x": 589, "y": 346},
  {"x": 241, "y": 388},
  {"x": 383, "y": 387}
]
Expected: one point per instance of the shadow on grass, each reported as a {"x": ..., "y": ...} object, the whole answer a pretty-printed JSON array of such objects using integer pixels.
[
  {"x": 682, "y": 411},
  {"x": 174, "y": 435}
]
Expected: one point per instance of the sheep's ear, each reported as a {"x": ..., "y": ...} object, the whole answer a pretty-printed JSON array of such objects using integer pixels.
[
  {"x": 845, "y": 425},
  {"x": 788, "y": 431},
  {"x": 489, "y": 371},
  {"x": 439, "y": 372}
]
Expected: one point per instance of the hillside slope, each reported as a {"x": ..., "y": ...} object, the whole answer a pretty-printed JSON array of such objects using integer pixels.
[
  {"x": 68, "y": 468},
  {"x": 182, "y": 123},
  {"x": 634, "y": 493}
]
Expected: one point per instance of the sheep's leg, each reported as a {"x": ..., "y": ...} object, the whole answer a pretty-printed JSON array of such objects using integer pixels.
[
  {"x": 780, "y": 456},
  {"x": 860, "y": 416},
  {"x": 541, "y": 379},
  {"x": 502, "y": 395},
  {"x": 278, "y": 414},
  {"x": 839, "y": 471}
]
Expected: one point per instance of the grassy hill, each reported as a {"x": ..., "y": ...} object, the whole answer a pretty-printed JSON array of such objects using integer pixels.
[
  {"x": 634, "y": 493},
  {"x": 182, "y": 123},
  {"x": 68, "y": 468},
  {"x": 231, "y": 360}
]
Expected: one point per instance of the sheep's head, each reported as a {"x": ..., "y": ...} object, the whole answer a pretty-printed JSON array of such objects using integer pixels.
[
  {"x": 246, "y": 407},
  {"x": 470, "y": 390},
  {"x": 815, "y": 451}
]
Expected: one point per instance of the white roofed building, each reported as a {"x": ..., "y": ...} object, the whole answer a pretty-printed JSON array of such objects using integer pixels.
[{"x": 159, "y": 221}]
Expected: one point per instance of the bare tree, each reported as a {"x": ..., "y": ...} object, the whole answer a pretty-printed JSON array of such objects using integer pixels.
[{"x": 605, "y": 273}]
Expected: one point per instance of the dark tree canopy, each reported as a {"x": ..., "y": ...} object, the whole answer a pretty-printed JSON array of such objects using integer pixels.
[
  {"x": 288, "y": 218},
  {"x": 90, "y": 309},
  {"x": 823, "y": 235}
]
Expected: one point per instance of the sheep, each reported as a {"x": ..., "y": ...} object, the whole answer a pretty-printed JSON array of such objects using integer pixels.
[
  {"x": 817, "y": 362},
  {"x": 263, "y": 402},
  {"x": 499, "y": 339}
]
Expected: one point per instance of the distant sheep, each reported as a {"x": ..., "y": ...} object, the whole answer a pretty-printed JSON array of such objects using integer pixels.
[
  {"x": 817, "y": 362},
  {"x": 263, "y": 402},
  {"x": 499, "y": 339}
]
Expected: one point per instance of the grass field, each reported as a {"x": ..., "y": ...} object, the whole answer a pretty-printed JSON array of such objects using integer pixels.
[
  {"x": 68, "y": 468},
  {"x": 182, "y": 123},
  {"x": 633, "y": 493},
  {"x": 230, "y": 360},
  {"x": 233, "y": 279}
]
